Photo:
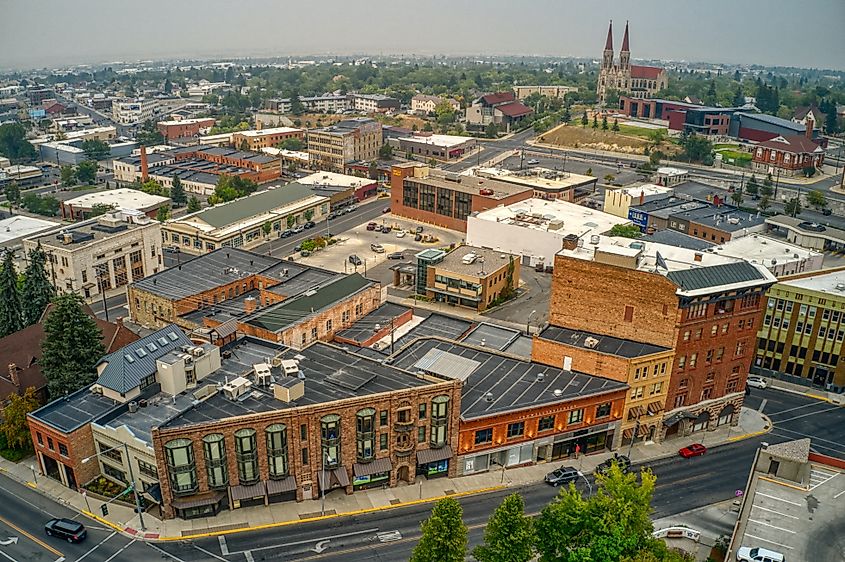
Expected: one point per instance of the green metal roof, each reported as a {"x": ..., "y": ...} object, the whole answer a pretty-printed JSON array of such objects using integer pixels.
[
  {"x": 714, "y": 276},
  {"x": 291, "y": 311},
  {"x": 255, "y": 204}
]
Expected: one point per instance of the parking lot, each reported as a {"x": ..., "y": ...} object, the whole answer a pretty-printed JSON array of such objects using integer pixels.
[{"x": 358, "y": 240}]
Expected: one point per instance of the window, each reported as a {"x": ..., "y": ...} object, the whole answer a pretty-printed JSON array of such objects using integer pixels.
[
  {"x": 304, "y": 456},
  {"x": 546, "y": 423},
  {"x": 114, "y": 473},
  {"x": 720, "y": 353},
  {"x": 179, "y": 456},
  {"x": 328, "y": 325},
  {"x": 707, "y": 393},
  {"x": 365, "y": 434},
  {"x": 330, "y": 440},
  {"x": 693, "y": 359},
  {"x": 740, "y": 349},
  {"x": 708, "y": 358},
  {"x": 50, "y": 444},
  {"x": 277, "y": 450},
  {"x": 725, "y": 327},
  {"x": 313, "y": 333},
  {"x": 303, "y": 432},
  {"x": 110, "y": 452},
  {"x": 40, "y": 438},
  {"x": 148, "y": 469},
  {"x": 698, "y": 333},
  {"x": 576, "y": 416},
  {"x": 483, "y": 436},
  {"x": 682, "y": 361},
  {"x": 629, "y": 313},
  {"x": 714, "y": 329},
  {"x": 214, "y": 451},
  {"x": 421, "y": 434},
  {"x": 422, "y": 411},
  {"x": 636, "y": 393},
  {"x": 382, "y": 441},
  {"x": 516, "y": 429},
  {"x": 63, "y": 449},
  {"x": 686, "y": 335},
  {"x": 697, "y": 311},
  {"x": 680, "y": 400},
  {"x": 603, "y": 410},
  {"x": 439, "y": 420},
  {"x": 732, "y": 386},
  {"x": 246, "y": 455}
]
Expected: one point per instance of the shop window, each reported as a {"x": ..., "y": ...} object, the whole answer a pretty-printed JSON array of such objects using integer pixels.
[
  {"x": 576, "y": 416},
  {"x": 516, "y": 429},
  {"x": 546, "y": 423},
  {"x": 483, "y": 436},
  {"x": 603, "y": 410}
]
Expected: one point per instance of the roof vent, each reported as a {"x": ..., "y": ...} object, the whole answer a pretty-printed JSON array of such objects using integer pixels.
[
  {"x": 541, "y": 377},
  {"x": 133, "y": 407},
  {"x": 840, "y": 286},
  {"x": 558, "y": 392},
  {"x": 488, "y": 397},
  {"x": 590, "y": 342}
]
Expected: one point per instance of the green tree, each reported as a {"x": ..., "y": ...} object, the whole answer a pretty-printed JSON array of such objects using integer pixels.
[
  {"x": 292, "y": 144},
  {"x": 613, "y": 524},
  {"x": 657, "y": 136},
  {"x": 509, "y": 536},
  {"x": 604, "y": 122},
  {"x": 71, "y": 346},
  {"x": 96, "y": 149},
  {"x": 764, "y": 203},
  {"x": 739, "y": 96},
  {"x": 13, "y": 143},
  {"x": 149, "y": 135},
  {"x": 809, "y": 171},
  {"x": 491, "y": 131},
  {"x": 86, "y": 172},
  {"x": 177, "y": 192},
  {"x": 751, "y": 187},
  {"x": 584, "y": 119},
  {"x": 13, "y": 195},
  {"x": 37, "y": 291},
  {"x": 194, "y": 204},
  {"x": 98, "y": 209},
  {"x": 68, "y": 176},
  {"x": 767, "y": 190},
  {"x": 291, "y": 220},
  {"x": 152, "y": 187},
  {"x": 817, "y": 199},
  {"x": 385, "y": 152},
  {"x": 595, "y": 121},
  {"x": 444, "y": 113},
  {"x": 15, "y": 426},
  {"x": 266, "y": 228},
  {"x": 163, "y": 213},
  {"x": 11, "y": 313},
  {"x": 615, "y": 127},
  {"x": 654, "y": 158},
  {"x": 566, "y": 116},
  {"x": 444, "y": 535},
  {"x": 736, "y": 197},
  {"x": 625, "y": 231},
  {"x": 372, "y": 170},
  {"x": 697, "y": 149},
  {"x": 45, "y": 205},
  {"x": 308, "y": 214},
  {"x": 792, "y": 207}
]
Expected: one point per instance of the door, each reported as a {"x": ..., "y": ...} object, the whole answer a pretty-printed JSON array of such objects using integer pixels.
[
  {"x": 773, "y": 467},
  {"x": 403, "y": 474}
]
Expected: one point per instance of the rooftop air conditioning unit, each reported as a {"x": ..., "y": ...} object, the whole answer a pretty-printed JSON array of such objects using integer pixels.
[
  {"x": 236, "y": 387},
  {"x": 590, "y": 342},
  {"x": 469, "y": 258},
  {"x": 262, "y": 374},
  {"x": 289, "y": 367}
]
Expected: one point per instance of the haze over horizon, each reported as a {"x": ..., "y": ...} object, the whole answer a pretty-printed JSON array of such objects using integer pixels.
[{"x": 51, "y": 33}]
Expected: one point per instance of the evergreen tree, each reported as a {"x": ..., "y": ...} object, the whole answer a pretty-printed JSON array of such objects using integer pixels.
[
  {"x": 739, "y": 96},
  {"x": 37, "y": 290},
  {"x": 177, "y": 192},
  {"x": 193, "y": 204},
  {"x": 584, "y": 119},
  {"x": 13, "y": 195},
  {"x": 14, "y": 425},
  {"x": 604, "y": 122},
  {"x": 444, "y": 535},
  {"x": 595, "y": 121},
  {"x": 71, "y": 347},
  {"x": 509, "y": 536},
  {"x": 11, "y": 317},
  {"x": 615, "y": 125}
]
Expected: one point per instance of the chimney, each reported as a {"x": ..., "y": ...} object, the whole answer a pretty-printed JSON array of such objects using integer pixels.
[
  {"x": 810, "y": 125},
  {"x": 145, "y": 173},
  {"x": 13, "y": 375},
  {"x": 250, "y": 305},
  {"x": 698, "y": 256},
  {"x": 642, "y": 196},
  {"x": 570, "y": 242}
]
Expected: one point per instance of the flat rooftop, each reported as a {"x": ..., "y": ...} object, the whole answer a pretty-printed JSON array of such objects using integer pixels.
[
  {"x": 75, "y": 410},
  {"x": 122, "y": 198},
  {"x": 434, "y": 325},
  {"x": 332, "y": 179},
  {"x": 20, "y": 226},
  {"x": 679, "y": 239},
  {"x": 763, "y": 249},
  {"x": 511, "y": 383},
  {"x": 331, "y": 374},
  {"x": 542, "y": 179},
  {"x": 446, "y": 141},
  {"x": 646, "y": 190},
  {"x": 487, "y": 261},
  {"x": 832, "y": 282},
  {"x": 603, "y": 344},
  {"x": 471, "y": 184},
  {"x": 492, "y": 336},
  {"x": 86, "y": 232},
  {"x": 364, "y": 328},
  {"x": 547, "y": 216},
  {"x": 728, "y": 219},
  {"x": 269, "y": 131},
  {"x": 808, "y": 228}
]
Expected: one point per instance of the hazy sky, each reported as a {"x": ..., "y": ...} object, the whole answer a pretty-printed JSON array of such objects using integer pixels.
[{"x": 35, "y": 33}]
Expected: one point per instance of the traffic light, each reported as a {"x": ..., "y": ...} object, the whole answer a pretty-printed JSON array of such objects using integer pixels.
[{"x": 105, "y": 509}]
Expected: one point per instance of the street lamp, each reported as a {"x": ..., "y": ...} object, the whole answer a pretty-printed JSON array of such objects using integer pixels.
[
  {"x": 589, "y": 486},
  {"x": 131, "y": 477},
  {"x": 528, "y": 323},
  {"x": 326, "y": 460}
]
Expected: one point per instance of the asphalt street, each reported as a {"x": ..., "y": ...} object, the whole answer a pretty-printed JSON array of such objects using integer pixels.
[{"x": 682, "y": 485}]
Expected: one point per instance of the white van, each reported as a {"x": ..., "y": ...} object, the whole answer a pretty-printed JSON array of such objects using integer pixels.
[{"x": 748, "y": 554}]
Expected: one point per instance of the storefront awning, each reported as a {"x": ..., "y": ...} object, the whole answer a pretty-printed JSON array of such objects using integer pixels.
[
  {"x": 197, "y": 501},
  {"x": 655, "y": 407},
  {"x": 434, "y": 455},
  {"x": 248, "y": 492},
  {"x": 643, "y": 431},
  {"x": 677, "y": 417},
  {"x": 154, "y": 493},
  {"x": 276, "y": 487},
  {"x": 377, "y": 466},
  {"x": 628, "y": 433},
  {"x": 338, "y": 476},
  {"x": 635, "y": 412}
]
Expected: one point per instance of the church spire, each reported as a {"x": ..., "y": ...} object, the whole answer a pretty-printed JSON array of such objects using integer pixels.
[
  {"x": 625, "y": 53},
  {"x": 608, "y": 45},
  {"x": 625, "y": 39}
]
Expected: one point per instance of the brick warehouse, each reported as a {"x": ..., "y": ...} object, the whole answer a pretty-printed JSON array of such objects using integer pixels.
[
  {"x": 704, "y": 307},
  {"x": 374, "y": 424}
]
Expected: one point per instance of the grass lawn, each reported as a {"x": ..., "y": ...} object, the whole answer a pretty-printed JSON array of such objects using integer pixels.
[
  {"x": 735, "y": 155},
  {"x": 642, "y": 132},
  {"x": 577, "y": 136},
  {"x": 725, "y": 145},
  {"x": 84, "y": 187}
]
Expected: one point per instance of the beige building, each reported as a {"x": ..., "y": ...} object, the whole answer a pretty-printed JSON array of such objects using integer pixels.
[
  {"x": 347, "y": 141},
  {"x": 103, "y": 254},
  {"x": 240, "y": 223},
  {"x": 471, "y": 277},
  {"x": 134, "y": 111},
  {"x": 523, "y": 92},
  {"x": 422, "y": 104},
  {"x": 619, "y": 201},
  {"x": 264, "y": 138}
]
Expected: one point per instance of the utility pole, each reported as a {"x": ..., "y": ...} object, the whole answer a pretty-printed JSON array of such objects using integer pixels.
[{"x": 103, "y": 293}]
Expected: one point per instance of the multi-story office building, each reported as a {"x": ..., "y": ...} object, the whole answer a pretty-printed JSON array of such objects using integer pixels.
[
  {"x": 351, "y": 140},
  {"x": 374, "y": 103},
  {"x": 101, "y": 255},
  {"x": 134, "y": 111},
  {"x": 800, "y": 338},
  {"x": 264, "y": 138}
]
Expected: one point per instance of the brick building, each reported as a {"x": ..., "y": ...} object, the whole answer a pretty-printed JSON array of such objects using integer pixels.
[
  {"x": 264, "y": 138},
  {"x": 421, "y": 193},
  {"x": 788, "y": 155},
  {"x": 184, "y": 128},
  {"x": 329, "y": 420},
  {"x": 703, "y": 306},
  {"x": 351, "y": 140}
]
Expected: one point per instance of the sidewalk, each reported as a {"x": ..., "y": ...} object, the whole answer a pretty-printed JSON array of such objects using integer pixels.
[{"x": 123, "y": 519}]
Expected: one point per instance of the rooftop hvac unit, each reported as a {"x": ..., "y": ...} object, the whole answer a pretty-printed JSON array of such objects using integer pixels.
[
  {"x": 289, "y": 367},
  {"x": 558, "y": 392},
  {"x": 488, "y": 397},
  {"x": 276, "y": 362},
  {"x": 197, "y": 351},
  {"x": 262, "y": 374},
  {"x": 469, "y": 258},
  {"x": 235, "y": 388},
  {"x": 133, "y": 407},
  {"x": 595, "y": 239},
  {"x": 590, "y": 342}
]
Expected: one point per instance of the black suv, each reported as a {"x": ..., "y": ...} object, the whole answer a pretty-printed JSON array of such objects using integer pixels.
[
  {"x": 355, "y": 260},
  {"x": 623, "y": 462},
  {"x": 67, "y": 529},
  {"x": 563, "y": 475}
]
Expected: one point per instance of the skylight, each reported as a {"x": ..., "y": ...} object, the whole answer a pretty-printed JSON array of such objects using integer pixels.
[{"x": 129, "y": 358}]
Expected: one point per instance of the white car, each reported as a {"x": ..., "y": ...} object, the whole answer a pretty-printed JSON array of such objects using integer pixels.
[
  {"x": 533, "y": 162},
  {"x": 748, "y": 554},
  {"x": 755, "y": 381},
  {"x": 400, "y": 234}
]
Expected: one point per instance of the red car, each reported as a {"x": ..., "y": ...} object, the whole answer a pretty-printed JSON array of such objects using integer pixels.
[{"x": 694, "y": 450}]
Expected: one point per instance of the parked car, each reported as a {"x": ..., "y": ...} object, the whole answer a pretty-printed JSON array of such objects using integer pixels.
[
  {"x": 386, "y": 210},
  {"x": 355, "y": 260},
  {"x": 533, "y": 162},
  {"x": 418, "y": 237},
  {"x": 310, "y": 224},
  {"x": 395, "y": 256},
  {"x": 386, "y": 229},
  {"x": 377, "y": 248},
  {"x": 297, "y": 248},
  {"x": 563, "y": 475},
  {"x": 67, "y": 529},
  {"x": 305, "y": 253},
  {"x": 378, "y": 228},
  {"x": 694, "y": 450},
  {"x": 351, "y": 208},
  {"x": 400, "y": 234},
  {"x": 419, "y": 229},
  {"x": 286, "y": 233},
  {"x": 827, "y": 212},
  {"x": 622, "y": 461},
  {"x": 371, "y": 226},
  {"x": 756, "y": 554},
  {"x": 756, "y": 381},
  {"x": 298, "y": 229}
]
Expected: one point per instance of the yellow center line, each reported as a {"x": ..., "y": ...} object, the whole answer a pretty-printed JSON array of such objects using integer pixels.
[{"x": 31, "y": 537}]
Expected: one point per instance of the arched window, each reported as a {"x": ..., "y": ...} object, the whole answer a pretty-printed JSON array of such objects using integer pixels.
[
  {"x": 277, "y": 450},
  {"x": 247, "y": 456},
  {"x": 214, "y": 450}
]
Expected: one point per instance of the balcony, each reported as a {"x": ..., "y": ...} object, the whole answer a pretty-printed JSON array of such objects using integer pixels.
[{"x": 403, "y": 426}]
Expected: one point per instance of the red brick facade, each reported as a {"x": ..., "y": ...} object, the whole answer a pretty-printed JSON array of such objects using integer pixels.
[{"x": 60, "y": 454}]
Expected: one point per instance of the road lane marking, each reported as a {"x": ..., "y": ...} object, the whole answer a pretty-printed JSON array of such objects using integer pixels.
[
  {"x": 31, "y": 537},
  {"x": 162, "y": 552},
  {"x": 248, "y": 556},
  {"x": 773, "y": 511},
  {"x": 96, "y": 546},
  {"x": 836, "y": 497},
  {"x": 127, "y": 545},
  {"x": 808, "y": 415},
  {"x": 810, "y": 405},
  {"x": 763, "y": 404},
  {"x": 768, "y": 541},
  {"x": 777, "y": 498},
  {"x": 314, "y": 540},
  {"x": 7, "y": 556},
  {"x": 224, "y": 548},
  {"x": 201, "y": 549}
]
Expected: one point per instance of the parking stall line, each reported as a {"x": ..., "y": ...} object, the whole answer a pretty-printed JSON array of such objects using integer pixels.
[
  {"x": 768, "y": 541},
  {"x": 778, "y": 499},
  {"x": 772, "y": 526},
  {"x": 773, "y": 511}
]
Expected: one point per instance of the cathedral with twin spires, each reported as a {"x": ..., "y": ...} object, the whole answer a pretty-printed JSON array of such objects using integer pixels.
[{"x": 626, "y": 78}]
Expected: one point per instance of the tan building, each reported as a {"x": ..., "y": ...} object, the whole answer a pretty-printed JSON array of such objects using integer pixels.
[
  {"x": 422, "y": 104},
  {"x": 134, "y": 111},
  {"x": 351, "y": 140},
  {"x": 626, "y": 78},
  {"x": 523, "y": 92},
  {"x": 103, "y": 254},
  {"x": 264, "y": 138},
  {"x": 472, "y": 277}
]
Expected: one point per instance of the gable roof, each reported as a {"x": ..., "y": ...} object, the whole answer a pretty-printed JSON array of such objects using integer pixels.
[
  {"x": 792, "y": 143},
  {"x": 252, "y": 205},
  {"x": 714, "y": 276},
  {"x": 514, "y": 109},
  {"x": 128, "y": 365},
  {"x": 801, "y": 113},
  {"x": 498, "y": 97},
  {"x": 647, "y": 72}
]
